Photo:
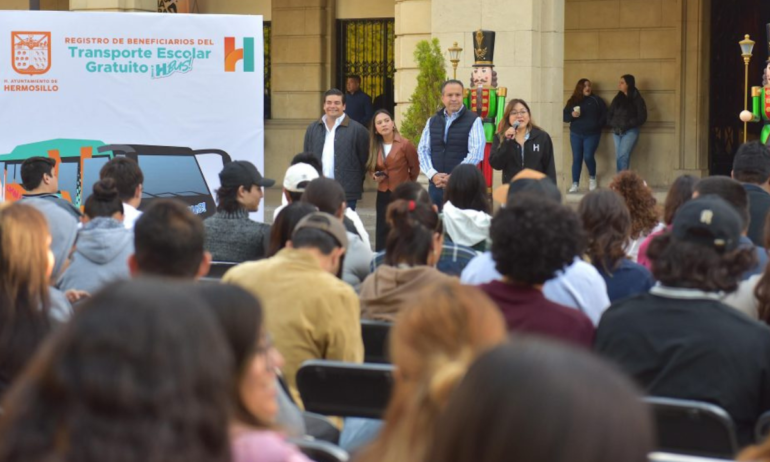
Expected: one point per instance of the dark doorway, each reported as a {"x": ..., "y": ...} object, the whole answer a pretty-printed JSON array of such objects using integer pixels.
[
  {"x": 730, "y": 21},
  {"x": 365, "y": 48}
]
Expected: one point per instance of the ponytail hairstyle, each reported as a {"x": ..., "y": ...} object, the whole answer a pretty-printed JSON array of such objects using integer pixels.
[
  {"x": 105, "y": 200},
  {"x": 433, "y": 342},
  {"x": 412, "y": 227}
]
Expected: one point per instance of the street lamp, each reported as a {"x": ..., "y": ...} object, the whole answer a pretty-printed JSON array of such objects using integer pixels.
[
  {"x": 747, "y": 46},
  {"x": 454, "y": 57}
]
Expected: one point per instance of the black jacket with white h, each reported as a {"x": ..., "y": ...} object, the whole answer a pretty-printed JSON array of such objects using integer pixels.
[{"x": 506, "y": 155}]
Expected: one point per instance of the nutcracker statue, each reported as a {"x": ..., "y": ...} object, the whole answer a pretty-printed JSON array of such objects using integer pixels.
[
  {"x": 483, "y": 96},
  {"x": 760, "y": 100}
]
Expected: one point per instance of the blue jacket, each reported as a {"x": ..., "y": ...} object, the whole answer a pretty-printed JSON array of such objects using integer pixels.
[{"x": 358, "y": 106}]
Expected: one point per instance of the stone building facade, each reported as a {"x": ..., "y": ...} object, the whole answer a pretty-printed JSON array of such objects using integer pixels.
[{"x": 543, "y": 47}]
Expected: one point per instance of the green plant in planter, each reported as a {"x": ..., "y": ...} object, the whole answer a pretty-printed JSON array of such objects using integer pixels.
[{"x": 426, "y": 99}]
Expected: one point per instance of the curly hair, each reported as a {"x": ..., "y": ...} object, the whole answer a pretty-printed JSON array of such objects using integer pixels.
[
  {"x": 532, "y": 239},
  {"x": 676, "y": 263},
  {"x": 141, "y": 373},
  {"x": 607, "y": 222},
  {"x": 640, "y": 202}
]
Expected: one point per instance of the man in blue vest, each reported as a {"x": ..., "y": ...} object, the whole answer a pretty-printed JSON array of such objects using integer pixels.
[{"x": 453, "y": 136}]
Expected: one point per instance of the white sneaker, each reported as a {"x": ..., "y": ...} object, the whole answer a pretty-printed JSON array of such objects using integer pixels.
[
  {"x": 592, "y": 184},
  {"x": 573, "y": 188}
]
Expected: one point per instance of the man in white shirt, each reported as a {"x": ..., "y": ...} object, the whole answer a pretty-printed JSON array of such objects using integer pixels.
[
  {"x": 129, "y": 180},
  {"x": 342, "y": 145}
]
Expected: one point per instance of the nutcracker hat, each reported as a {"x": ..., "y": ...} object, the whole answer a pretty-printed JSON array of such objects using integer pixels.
[{"x": 484, "y": 48}]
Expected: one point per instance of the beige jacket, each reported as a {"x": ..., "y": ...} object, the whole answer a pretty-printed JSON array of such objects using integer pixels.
[
  {"x": 309, "y": 313},
  {"x": 385, "y": 292}
]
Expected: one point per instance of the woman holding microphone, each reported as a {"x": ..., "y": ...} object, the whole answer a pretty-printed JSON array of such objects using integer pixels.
[
  {"x": 586, "y": 113},
  {"x": 520, "y": 144}
]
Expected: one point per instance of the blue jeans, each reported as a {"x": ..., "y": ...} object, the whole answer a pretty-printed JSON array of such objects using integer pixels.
[
  {"x": 436, "y": 195},
  {"x": 583, "y": 148},
  {"x": 624, "y": 145}
]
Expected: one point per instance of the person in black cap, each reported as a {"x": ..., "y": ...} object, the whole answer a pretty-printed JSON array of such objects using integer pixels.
[
  {"x": 230, "y": 235},
  {"x": 679, "y": 340}
]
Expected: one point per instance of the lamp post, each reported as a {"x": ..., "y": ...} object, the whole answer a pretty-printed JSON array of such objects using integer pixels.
[
  {"x": 454, "y": 57},
  {"x": 747, "y": 46}
]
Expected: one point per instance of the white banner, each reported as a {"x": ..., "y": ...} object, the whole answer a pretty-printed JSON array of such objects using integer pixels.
[{"x": 179, "y": 93}]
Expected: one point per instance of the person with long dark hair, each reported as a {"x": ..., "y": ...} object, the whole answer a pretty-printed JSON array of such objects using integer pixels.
[
  {"x": 586, "y": 114},
  {"x": 466, "y": 212},
  {"x": 520, "y": 144},
  {"x": 607, "y": 223},
  {"x": 392, "y": 160},
  {"x": 540, "y": 401},
  {"x": 283, "y": 226},
  {"x": 140, "y": 374},
  {"x": 103, "y": 244},
  {"x": 626, "y": 114}
]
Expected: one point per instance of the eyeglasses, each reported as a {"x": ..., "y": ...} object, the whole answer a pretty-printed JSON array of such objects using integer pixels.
[
  {"x": 519, "y": 113},
  {"x": 264, "y": 349}
]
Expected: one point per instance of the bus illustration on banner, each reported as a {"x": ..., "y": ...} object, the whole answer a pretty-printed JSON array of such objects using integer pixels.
[{"x": 169, "y": 171}]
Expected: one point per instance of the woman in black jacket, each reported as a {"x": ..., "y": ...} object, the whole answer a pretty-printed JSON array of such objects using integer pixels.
[
  {"x": 586, "y": 114},
  {"x": 627, "y": 113},
  {"x": 520, "y": 144}
]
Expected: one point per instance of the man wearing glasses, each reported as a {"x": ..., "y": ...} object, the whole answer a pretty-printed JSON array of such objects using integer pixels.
[{"x": 453, "y": 136}]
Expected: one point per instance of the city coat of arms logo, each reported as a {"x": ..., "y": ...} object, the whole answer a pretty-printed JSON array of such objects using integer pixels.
[{"x": 31, "y": 53}]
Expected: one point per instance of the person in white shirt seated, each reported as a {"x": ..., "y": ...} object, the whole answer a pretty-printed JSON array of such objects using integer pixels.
[{"x": 129, "y": 181}]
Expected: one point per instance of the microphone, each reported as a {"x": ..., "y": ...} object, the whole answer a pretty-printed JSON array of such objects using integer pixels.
[{"x": 516, "y": 125}]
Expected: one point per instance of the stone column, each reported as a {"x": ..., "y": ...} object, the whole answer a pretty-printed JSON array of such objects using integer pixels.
[
  {"x": 694, "y": 120},
  {"x": 413, "y": 24},
  {"x": 113, "y": 5},
  {"x": 529, "y": 53}
]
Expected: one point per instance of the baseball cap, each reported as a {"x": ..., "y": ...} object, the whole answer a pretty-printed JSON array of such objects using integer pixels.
[
  {"x": 297, "y": 174},
  {"x": 708, "y": 220},
  {"x": 242, "y": 173},
  {"x": 327, "y": 223}
]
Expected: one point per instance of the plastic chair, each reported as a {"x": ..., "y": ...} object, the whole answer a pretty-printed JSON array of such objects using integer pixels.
[
  {"x": 693, "y": 428},
  {"x": 375, "y": 335},
  {"x": 320, "y": 451},
  {"x": 345, "y": 389}
]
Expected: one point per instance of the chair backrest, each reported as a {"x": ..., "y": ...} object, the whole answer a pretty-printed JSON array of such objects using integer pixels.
[
  {"x": 345, "y": 389},
  {"x": 668, "y": 457},
  {"x": 693, "y": 427},
  {"x": 762, "y": 427},
  {"x": 375, "y": 335},
  {"x": 218, "y": 269},
  {"x": 320, "y": 451}
]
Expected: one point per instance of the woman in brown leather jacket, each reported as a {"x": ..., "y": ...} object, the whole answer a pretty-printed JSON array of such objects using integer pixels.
[{"x": 392, "y": 161}]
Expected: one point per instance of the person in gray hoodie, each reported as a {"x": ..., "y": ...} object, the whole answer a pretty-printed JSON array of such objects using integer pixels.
[
  {"x": 63, "y": 228},
  {"x": 103, "y": 245}
]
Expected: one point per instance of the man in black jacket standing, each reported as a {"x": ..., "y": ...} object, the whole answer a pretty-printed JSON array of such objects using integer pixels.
[
  {"x": 751, "y": 167},
  {"x": 342, "y": 145}
]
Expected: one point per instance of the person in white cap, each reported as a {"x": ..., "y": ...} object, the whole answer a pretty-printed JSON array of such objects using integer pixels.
[{"x": 297, "y": 177}]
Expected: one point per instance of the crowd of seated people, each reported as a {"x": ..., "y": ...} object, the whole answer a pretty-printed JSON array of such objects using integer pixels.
[{"x": 116, "y": 343}]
